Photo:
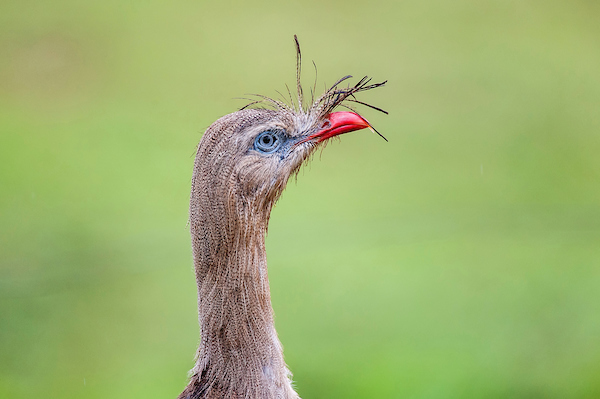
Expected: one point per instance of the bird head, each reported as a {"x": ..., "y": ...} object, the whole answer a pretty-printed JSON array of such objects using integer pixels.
[{"x": 249, "y": 155}]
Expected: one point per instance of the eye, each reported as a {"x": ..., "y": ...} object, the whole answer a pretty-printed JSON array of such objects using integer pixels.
[{"x": 267, "y": 142}]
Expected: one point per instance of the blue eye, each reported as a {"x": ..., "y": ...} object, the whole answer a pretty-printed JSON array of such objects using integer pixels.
[{"x": 267, "y": 142}]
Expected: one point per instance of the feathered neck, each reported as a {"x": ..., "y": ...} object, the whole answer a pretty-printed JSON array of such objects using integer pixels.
[{"x": 240, "y": 355}]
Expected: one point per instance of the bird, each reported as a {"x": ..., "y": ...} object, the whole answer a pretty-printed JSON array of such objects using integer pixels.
[{"x": 242, "y": 165}]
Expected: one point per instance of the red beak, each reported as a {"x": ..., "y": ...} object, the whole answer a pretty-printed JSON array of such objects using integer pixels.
[{"x": 338, "y": 123}]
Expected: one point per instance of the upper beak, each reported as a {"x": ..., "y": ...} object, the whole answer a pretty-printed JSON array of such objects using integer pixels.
[{"x": 338, "y": 123}]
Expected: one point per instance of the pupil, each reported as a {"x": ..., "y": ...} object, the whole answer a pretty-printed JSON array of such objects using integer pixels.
[{"x": 267, "y": 140}]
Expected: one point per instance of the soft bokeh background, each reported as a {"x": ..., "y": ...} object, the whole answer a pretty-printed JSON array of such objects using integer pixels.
[{"x": 459, "y": 260}]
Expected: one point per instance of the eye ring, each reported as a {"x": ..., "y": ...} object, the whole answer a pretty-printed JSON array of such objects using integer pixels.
[{"x": 267, "y": 142}]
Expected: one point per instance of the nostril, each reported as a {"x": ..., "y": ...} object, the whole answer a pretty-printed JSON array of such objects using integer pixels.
[{"x": 326, "y": 124}]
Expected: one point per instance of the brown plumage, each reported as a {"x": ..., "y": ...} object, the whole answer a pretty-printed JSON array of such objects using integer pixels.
[{"x": 243, "y": 163}]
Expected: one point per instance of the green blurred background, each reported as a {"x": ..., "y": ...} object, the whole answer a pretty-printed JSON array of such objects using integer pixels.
[{"x": 459, "y": 260}]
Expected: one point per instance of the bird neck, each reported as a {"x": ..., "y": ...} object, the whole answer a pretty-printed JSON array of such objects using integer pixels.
[{"x": 239, "y": 353}]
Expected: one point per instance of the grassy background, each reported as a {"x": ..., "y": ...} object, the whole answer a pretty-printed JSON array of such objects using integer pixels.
[{"x": 459, "y": 260}]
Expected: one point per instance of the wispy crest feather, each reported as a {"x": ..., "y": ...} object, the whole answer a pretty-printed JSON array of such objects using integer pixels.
[{"x": 332, "y": 98}]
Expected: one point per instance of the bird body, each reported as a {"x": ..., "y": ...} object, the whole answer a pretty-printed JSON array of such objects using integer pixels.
[{"x": 243, "y": 163}]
